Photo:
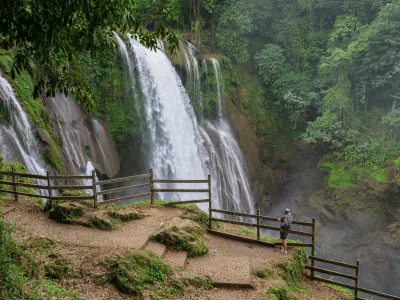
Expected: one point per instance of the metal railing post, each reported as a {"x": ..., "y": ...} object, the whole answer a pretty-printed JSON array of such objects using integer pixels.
[
  {"x": 94, "y": 188},
  {"x": 151, "y": 187},
  {"x": 209, "y": 202},
  {"x": 258, "y": 223},
  {"x": 14, "y": 184},
  {"x": 313, "y": 246}
]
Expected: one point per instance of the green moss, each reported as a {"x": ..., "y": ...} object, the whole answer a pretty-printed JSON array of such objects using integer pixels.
[
  {"x": 21, "y": 273},
  {"x": 103, "y": 221},
  {"x": 58, "y": 268},
  {"x": 279, "y": 293},
  {"x": 206, "y": 283},
  {"x": 379, "y": 175},
  {"x": 67, "y": 212},
  {"x": 264, "y": 273},
  {"x": 182, "y": 235},
  {"x": 137, "y": 271},
  {"x": 347, "y": 293},
  {"x": 292, "y": 270},
  {"x": 194, "y": 213}
]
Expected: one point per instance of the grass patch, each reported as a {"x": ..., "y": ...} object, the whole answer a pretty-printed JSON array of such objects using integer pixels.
[
  {"x": 22, "y": 274},
  {"x": 137, "y": 271}
]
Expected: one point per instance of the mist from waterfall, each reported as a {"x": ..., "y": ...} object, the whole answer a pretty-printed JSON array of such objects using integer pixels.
[{"x": 17, "y": 141}]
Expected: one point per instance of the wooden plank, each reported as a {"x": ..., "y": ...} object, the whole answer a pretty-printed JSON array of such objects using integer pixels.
[
  {"x": 69, "y": 177},
  {"x": 123, "y": 198},
  {"x": 180, "y": 191},
  {"x": 36, "y": 186},
  {"x": 316, "y": 269},
  {"x": 24, "y": 194},
  {"x": 234, "y": 213},
  {"x": 302, "y": 223},
  {"x": 188, "y": 201},
  {"x": 329, "y": 281},
  {"x": 34, "y": 176},
  {"x": 179, "y": 181},
  {"x": 148, "y": 175},
  {"x": 260, "y": 226},
  {"x": 255, "y": 216},
  {"x": 72, "y": 198},
  {"x": 333, "y": 262},
  {"x": 125, "y": 188},
  {"x": 304, "y": 245},
  {"x": 71, "y": 187},
  {"x": 234, "y": 222},
  {"x": 372, "y": 292},
  {"x": 240, "y": 238}
]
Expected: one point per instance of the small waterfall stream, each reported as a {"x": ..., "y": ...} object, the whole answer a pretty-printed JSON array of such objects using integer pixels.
[{"x": 17, "y": 142}]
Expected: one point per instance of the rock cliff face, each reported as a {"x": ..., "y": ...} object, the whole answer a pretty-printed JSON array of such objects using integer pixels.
[{"x": 81, "y": 138}]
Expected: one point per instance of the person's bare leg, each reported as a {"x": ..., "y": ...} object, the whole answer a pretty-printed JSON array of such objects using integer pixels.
[{"x": 284, "y": 245}]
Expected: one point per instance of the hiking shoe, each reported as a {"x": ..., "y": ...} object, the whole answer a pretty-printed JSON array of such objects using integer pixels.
[{"x": 283, "y": 251}]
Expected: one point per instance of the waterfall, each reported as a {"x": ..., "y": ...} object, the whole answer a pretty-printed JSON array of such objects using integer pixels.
[
  {"x": 179, "y": 147},
  {"x": 16, "y": 138},
  {"x": 196, "y": 82},
  {"x": 225, "y": 153},
  {"x": 173, "y": 136}
]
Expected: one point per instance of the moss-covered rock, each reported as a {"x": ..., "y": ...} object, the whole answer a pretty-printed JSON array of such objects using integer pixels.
[
  {"x": 102, "y": 221},
  {"x": 58, "y": 268},
  {"x": 39, "y": 243},
  {"x": 182, "y": 234},
  {"x": 126, "y": 215},
  {"x": 136, "y": 271},
  {"x": 67, "y": 212},
  {"x": 194, "y": 213}
]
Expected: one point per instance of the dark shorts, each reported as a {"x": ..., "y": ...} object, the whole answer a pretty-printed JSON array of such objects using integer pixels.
[{"x": 284, "y": 235}]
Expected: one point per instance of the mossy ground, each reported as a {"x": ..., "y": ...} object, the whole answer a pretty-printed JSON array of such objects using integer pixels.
[
  {"x": 182, "y": 235},
  {"x": 23, "y": 275}
]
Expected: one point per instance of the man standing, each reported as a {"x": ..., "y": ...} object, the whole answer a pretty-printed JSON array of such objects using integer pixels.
[{"x": 286, "y": 223}]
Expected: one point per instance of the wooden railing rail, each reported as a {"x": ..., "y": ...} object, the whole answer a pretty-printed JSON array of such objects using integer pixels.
[{"x": 176, "y": 190}]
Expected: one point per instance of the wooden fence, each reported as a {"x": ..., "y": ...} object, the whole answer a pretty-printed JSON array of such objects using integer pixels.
[
  {"x": 257, "y": 224},
  {"x": 313, "y": 259},
  {"x": 15, "y": 182}
]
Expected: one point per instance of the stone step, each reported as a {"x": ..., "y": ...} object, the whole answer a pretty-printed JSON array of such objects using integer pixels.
[
  {"x": 225, "y": 271},
  {"x": 176, "y": 259},
  {"x": 157, "y": 248}
]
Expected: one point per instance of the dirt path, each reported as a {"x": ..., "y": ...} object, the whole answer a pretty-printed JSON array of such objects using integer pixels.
[
  {"x": 228, "y": 261},
  {"x": 134, "y": 234}
]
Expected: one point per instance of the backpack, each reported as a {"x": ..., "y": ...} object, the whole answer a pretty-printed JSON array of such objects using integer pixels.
[{"x": 287, "y": 223}]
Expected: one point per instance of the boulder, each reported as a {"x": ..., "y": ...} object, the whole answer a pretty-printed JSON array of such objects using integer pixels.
[{"x": 182, "y": 235}]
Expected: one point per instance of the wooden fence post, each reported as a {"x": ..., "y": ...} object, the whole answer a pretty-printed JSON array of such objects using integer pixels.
[
  {"x": 94, "y": 188},
  {"x": 14, "y": 185},
  {"x": 357, "y": 275},
  {"x": 151, "y": 187},
  {"x": 258, "y": 223},
  {"x": 209, "y": 202},
  {"x": 49, "y": 189},
  {"x": 313, "y": 246}
]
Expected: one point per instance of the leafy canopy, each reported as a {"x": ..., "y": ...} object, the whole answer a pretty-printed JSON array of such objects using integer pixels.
[{"x": 48, "y": 35}]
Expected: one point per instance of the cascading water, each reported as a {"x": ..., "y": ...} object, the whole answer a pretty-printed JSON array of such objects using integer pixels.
[
  {"x": 16, "y": 139},
  {"x": 174, "y": 138},
  {"x": 196, "y": 76},
  {"x": 179, "y": 147},
  {"x": 225, "y": 153}
]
